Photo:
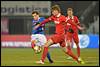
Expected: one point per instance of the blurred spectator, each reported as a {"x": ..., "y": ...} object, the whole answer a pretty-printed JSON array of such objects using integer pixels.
[{"x": 4, "y": 26}]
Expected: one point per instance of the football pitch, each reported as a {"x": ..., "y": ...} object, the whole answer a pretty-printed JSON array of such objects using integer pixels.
[{"x": 26, "y": 57}]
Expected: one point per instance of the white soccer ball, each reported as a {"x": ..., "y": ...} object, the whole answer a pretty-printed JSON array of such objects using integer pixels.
[{"x": 37, "y": 49}]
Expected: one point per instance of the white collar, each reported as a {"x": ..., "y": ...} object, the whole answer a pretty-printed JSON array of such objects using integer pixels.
[
  {"x": 38, "y": 18},
  {"x": 58, "y": 15}
]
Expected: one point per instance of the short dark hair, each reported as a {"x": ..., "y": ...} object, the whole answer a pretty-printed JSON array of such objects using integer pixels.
[
  {"x": 69, "y": 9},
  {"x": 56, "y": 7},
  {"x": 35, "y": 12}
]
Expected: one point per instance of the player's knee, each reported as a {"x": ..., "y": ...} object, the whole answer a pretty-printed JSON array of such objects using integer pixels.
[
  {"x": 45, "y": 45},
  {"x": 48, "y": 43},
  {"x": 68, "y": 43},
  {"x": 66, "y": 50},
  {"x": 33, "y": 41},
  {"x": 77, "y": 43}
]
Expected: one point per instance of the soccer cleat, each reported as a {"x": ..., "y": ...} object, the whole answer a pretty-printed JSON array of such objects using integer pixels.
[
  {"x": 81, "y": 61},
  {"x": 51, "y": 61},
  {"x": 69, "y": 58},
  {"x": 40, "y": 62}
]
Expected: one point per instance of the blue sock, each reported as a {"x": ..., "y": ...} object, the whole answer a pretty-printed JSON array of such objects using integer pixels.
[{"x": 48, "y": 56}]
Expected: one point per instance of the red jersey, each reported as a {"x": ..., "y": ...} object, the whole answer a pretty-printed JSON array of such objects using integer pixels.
[
  {"x": 59, "y": 23},
  {"x": 70, "y": 21}
]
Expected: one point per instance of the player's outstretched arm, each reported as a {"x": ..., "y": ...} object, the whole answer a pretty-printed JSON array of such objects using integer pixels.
[
  {"x": 43, "y": 22},
  {"x": 80, "y": 27}
]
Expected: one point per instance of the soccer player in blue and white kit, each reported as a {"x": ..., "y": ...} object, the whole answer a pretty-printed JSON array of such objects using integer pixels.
[{"x": 38, "y": 38}]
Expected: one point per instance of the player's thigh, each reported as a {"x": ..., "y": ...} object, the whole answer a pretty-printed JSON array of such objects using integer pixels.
[
  {"x": 57, "y": 38},
  {"x": 42, "y": 38},
  {"x": 33, "y": 38},
  {"x": 76, "y": 38},
  {"x": 69, "y": 36}
]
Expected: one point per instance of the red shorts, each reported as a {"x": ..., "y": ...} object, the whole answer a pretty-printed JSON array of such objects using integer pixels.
[
  {"x": 58, "y": 38},
  {"x": 73, "y": 36}
]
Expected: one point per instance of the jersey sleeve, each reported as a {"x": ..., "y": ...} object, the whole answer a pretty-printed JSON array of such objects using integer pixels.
[
  {"x": 75, "y": 23},
  {"x": 77, "y": 20},
  {"x": 46, "y": 21},
  {"x": 33, "y": 23},
  {"x": 42, "y": 19}
]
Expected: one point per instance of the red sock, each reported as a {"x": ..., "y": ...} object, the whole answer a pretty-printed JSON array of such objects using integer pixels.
[
  {"x": 32, "y": 45},
  {"x": 45, "y": 51},
  {"x": 69, "y": 52},
  {"x": 78, "y": 51}
]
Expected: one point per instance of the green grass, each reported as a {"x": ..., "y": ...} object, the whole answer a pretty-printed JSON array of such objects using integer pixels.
[{"x": 26, "y": 57}]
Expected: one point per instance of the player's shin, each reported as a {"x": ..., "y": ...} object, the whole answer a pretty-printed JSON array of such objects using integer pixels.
[
  {"x": 45, "y": 51},
  {"x": 49, "y": 58},
  {"x": 70, "y": 53},
  {"x": 78, "y": 50}
]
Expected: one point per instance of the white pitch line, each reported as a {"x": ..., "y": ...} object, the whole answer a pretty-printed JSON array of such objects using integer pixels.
[
  {"x": 90, "y": 57},
  {"x": 86, "y": 57},
  {"x": 73, "y": 61}
]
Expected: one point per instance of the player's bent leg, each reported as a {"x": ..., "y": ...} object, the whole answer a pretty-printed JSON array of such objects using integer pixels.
[
  {"x": 69, "y": 51},
  {"x": 45, "y": 51},
  {"x": 78, "y": 49},
  {"x": 76, "y": 40},
  {"x": 32, "y": 43},
  {"x": 49, "y": 42},
  {"x": 78, "y": 53},
  {"x": 69, "y": 43}
]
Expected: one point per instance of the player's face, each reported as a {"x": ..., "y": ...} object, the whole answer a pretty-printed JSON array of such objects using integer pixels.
[
  {"x": 55, "y": 12},
  {"x": 35, "y": 16},
  {"x": 70, "y": 13}
]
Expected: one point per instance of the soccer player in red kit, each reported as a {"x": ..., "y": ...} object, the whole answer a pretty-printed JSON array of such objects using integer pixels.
[
  {"x": 59, "y": 36},
  {"x": 72, "y": 29}
]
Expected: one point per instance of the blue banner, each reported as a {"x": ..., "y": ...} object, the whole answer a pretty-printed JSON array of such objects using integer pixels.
[
  {"x": 88, "y": 41},
  {"x": 94, "y": 41}
]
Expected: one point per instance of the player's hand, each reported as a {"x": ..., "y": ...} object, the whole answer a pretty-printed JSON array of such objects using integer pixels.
[
  {"x": 81, "y": 28},
  {"x": 36, "y": 27}
]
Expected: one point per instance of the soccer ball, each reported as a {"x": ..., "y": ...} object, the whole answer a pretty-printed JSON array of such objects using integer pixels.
[{"x": 37, "y": 49}]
